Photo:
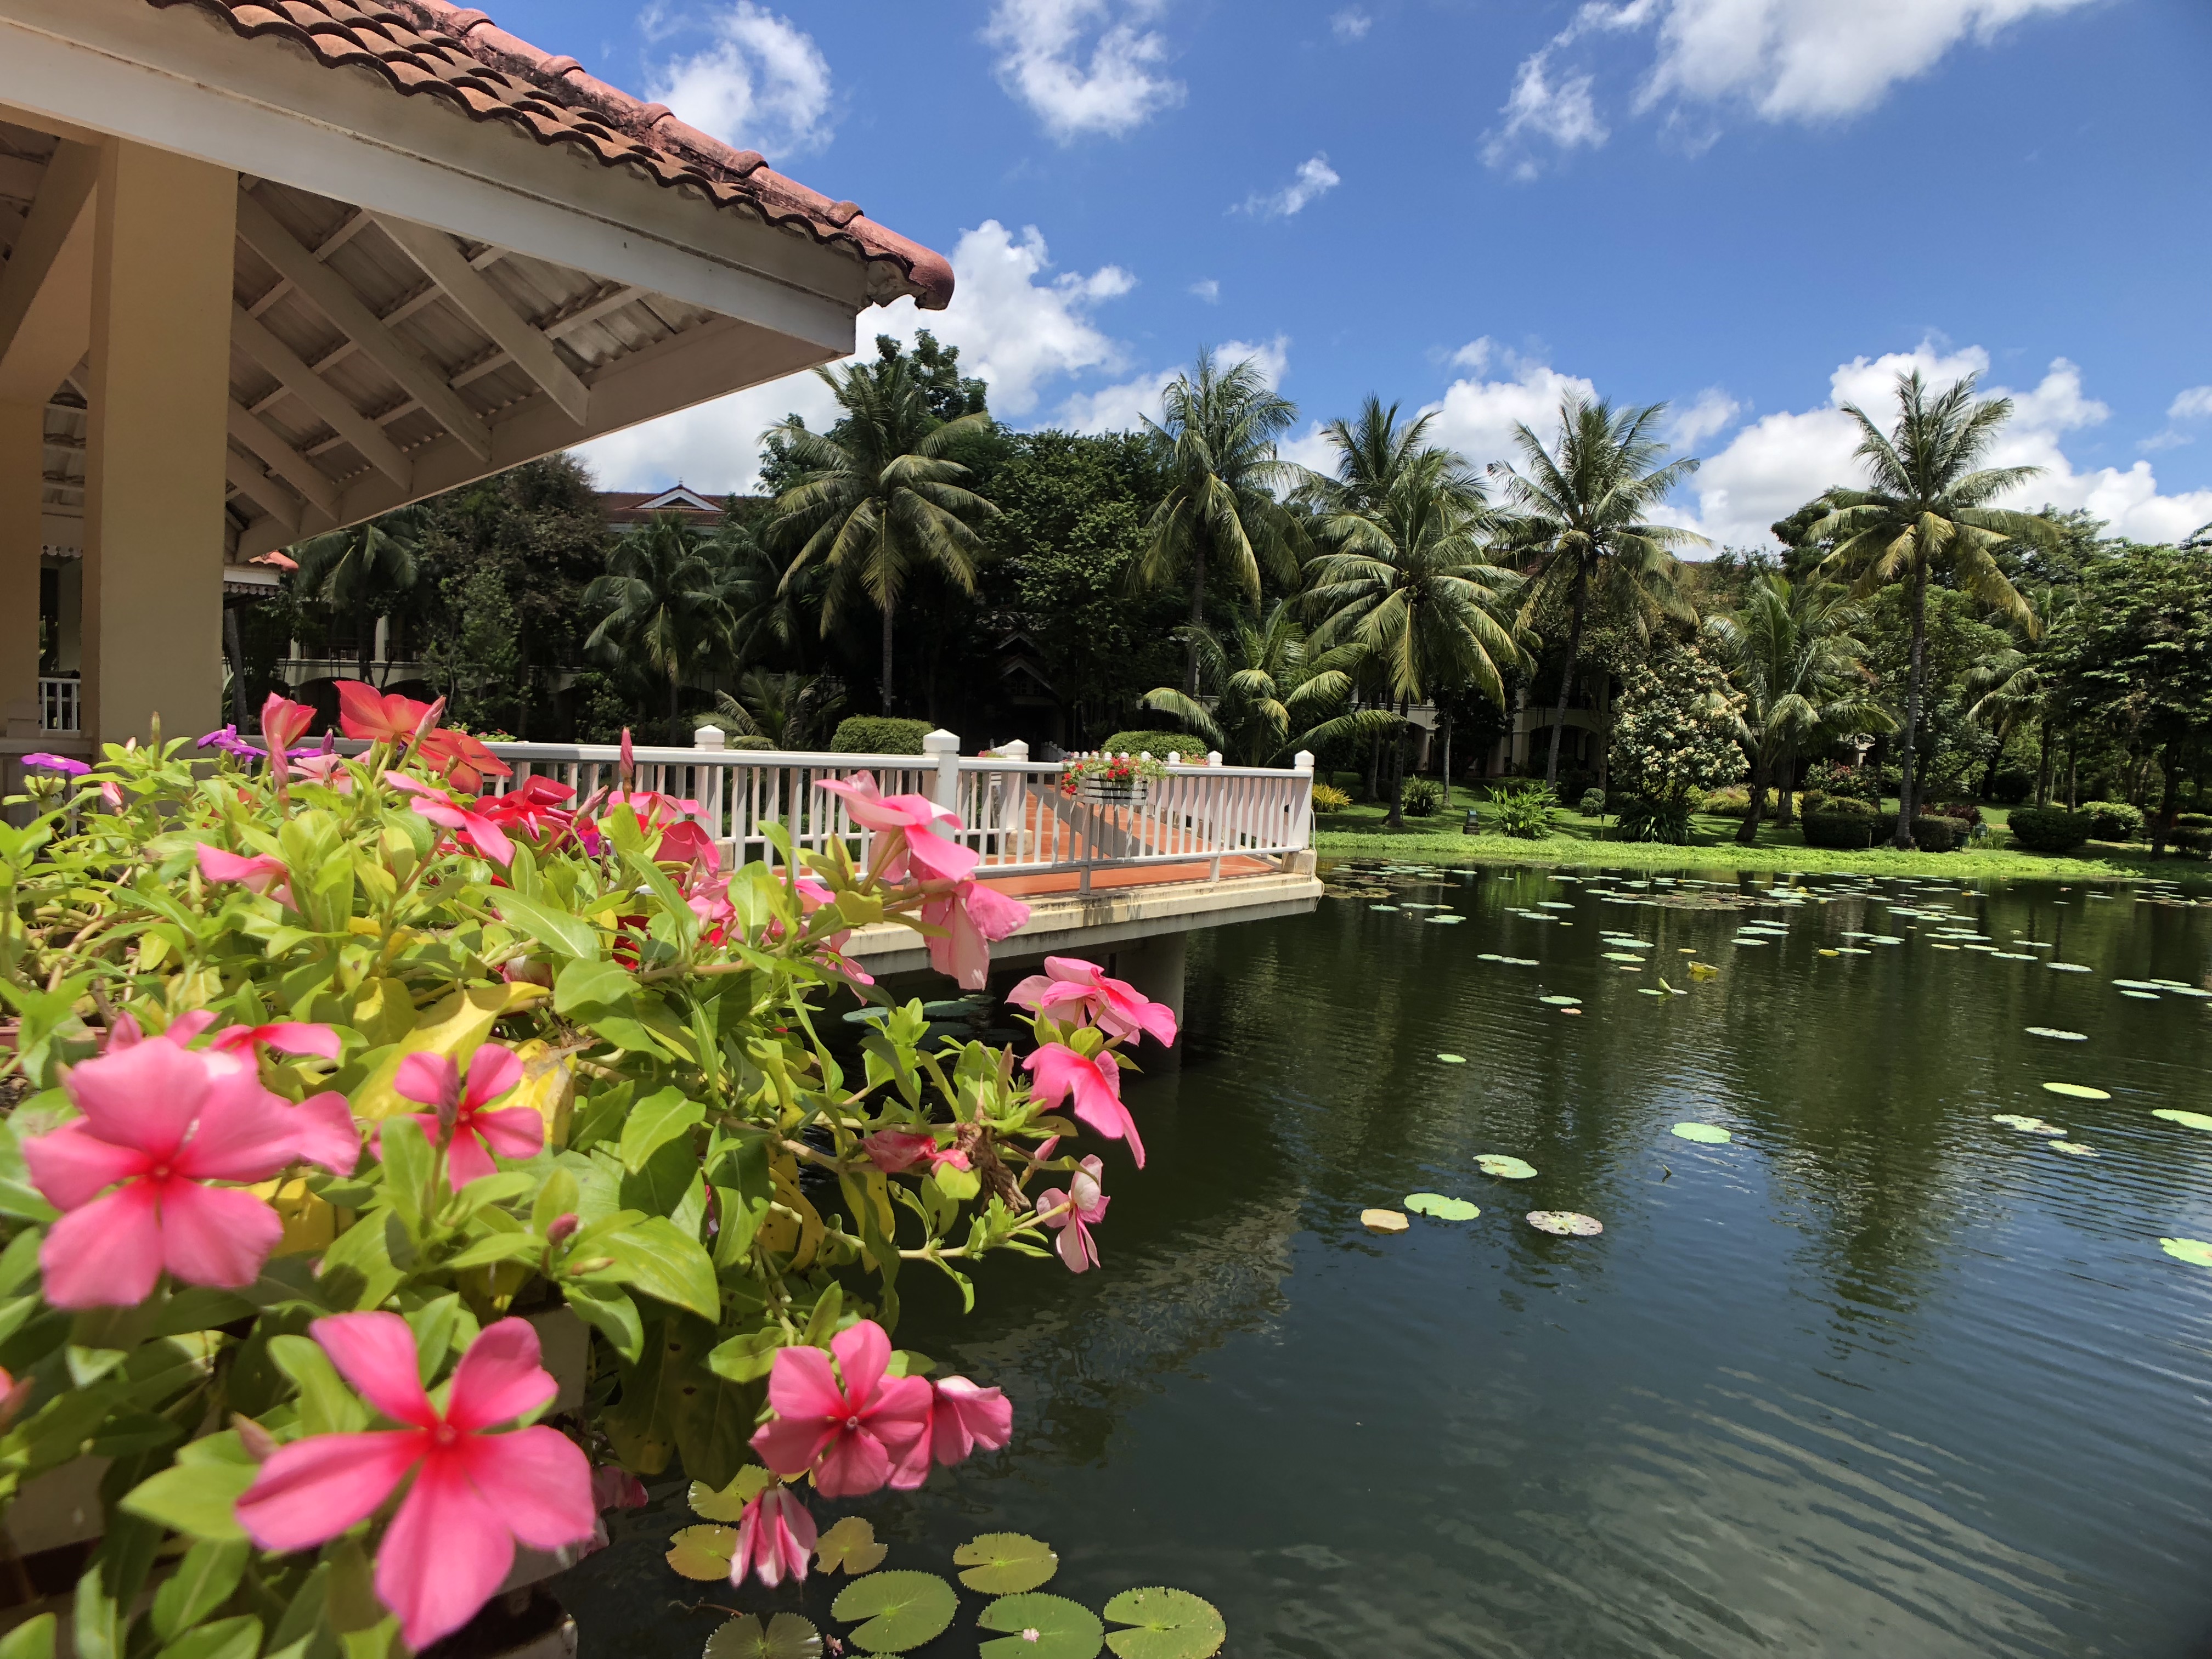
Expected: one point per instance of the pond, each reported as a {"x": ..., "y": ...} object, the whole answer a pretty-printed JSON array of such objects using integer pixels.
[{"x": 1878, "y": 1375}]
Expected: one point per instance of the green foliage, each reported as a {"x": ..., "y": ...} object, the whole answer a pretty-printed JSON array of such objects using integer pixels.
[
  {"x": 1660, "y": 818},
  {"x": 1522, "y": 811},
  {"x": 1422, "y": 797},
  {"x": 1328, "y": 798},
  {"x": 1839, "y": 782},
  {"x": 1158, "y": 744},
  {"x": 1929, "y": 835},
  {"x": 902, "y": 1610},
  {"x": 1164, "y": 1624},
  {"x": 1842, "y": 823},
  {"x": 874, "y": 734},
  {"x": 1004, "y": 1562},
  {"x": 1592, "y": 803},
  {"x": 1042, "y": 1627},
  {"x": 2049, "y": 829},
  {"x": 1677, "y": 727}
]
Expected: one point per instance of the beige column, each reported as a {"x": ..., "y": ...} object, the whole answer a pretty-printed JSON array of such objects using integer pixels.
[
  {"x": 154, "y": 498},
  {"x": 22, "y": 464}
]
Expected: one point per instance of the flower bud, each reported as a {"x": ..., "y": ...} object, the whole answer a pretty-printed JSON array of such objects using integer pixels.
[
  {"x": 561, "y": 1228},
  {"x": 260, "y": 1444}
]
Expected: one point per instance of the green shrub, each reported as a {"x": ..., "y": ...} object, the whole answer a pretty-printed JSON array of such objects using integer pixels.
[
  {"x": 1592, "y": 804},
  {"x": 753, "y": 743},
  {"x": 1843, "y": 783},
  {"x": 1158, "y": 744},
  {"x": 1422, "y": 796},
  {"x": 1929, "y": 835},
  {"x": 1730, "y": 803},
  {"x": 879, "y": 734},
  {"x": 1837, "y": 828},
  {"x": 1522, "y": 811},
  {"x": 2112, "y": 820},
  {"x": 1666, "y": 819},
  {"x": 1328, "y": 798},
  {"x": 1959, "y": 812},
  {"x": 2049, "y": 829}
]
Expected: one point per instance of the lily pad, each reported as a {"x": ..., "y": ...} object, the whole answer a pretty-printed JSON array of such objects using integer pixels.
[
  {"x": 2187, "y": 1120},
  {"x": 1706, "y": 1135},
  {"x": 1488, "y": 955},
  {"x": 1383, "y": 1221},
  {"x": 1623, "y": 956},
  {"x": 1453, "y": 1059},
  {"x": 902, "y": 1609},
  {"x": 2071, "y": 1148},
  {"x": 785, "y": 1636},
  {"x": 2067, "y": 967},
  {"x": 1164, "y": 1624},
  {"x": 850, "y": 1547},
  {"x": 1440, "y": 1207},
  {"x": 729, "y": 1504},
  {"x": 703, "y": 1553},
  {"x": 2137, "y": 984},
  {"x": 1381, "y": 906},
  {"x": 2142, "y": 996},
  {"x": 1006, "y": 1562},
  {"x": 2053, "y": 1032},
  {"x": 1560, "y": 1002},
  {"x": 1041, "y": 1627},
  {"x": 1566, "y": 1224},
  {"x": 2025, "y": 1124},
  {"x": 2194, "y": 1250},
  {"x": 2077, "y": 1091},
  {"x": 1505, "y": 1167}
]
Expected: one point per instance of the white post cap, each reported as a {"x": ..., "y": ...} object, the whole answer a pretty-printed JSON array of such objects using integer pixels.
[
  {"x": 941, "y": 742},
  {"x": 710, "y": 737},
  {"x": 1303, "y": 760},
  {"x": 1213, "y": 757},
  {"x": 1015, "y": 750}
]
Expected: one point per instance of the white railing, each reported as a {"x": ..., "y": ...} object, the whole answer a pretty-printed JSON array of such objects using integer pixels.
[{"x": 61, "y": 704}]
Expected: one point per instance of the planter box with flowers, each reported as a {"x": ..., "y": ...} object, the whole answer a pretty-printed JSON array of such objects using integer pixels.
[
  {"x": 1124, "y": 779},
  {"x": 340, "y": 1100}
]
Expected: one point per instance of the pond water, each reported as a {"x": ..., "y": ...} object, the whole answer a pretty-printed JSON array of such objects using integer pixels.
[{"x": 1878, "y": 1376}]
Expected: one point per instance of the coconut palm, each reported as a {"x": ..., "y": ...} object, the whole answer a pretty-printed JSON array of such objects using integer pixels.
[
  {"x": 1792, "y": 653},
  {"x": 1579, "y": 518},
  {"x": 1928, "y": 511},
  {"x": 1403, "y": 571},
  {"x": 788, "y": 708},
  {"x": 362, "y": 568},
  {"x": 1274, "y": 692},
  {"x": 665, "y": 594},
  {"x": 1216, "y": 444},
  {"x": 879, "y": 498},
  {"x": 2013, "y": 688}
]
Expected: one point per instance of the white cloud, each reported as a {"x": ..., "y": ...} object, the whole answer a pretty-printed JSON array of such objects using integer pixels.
[
  {"x": 1565, "y": 113},
  {"x": 1208, "y": 289},
  {"x": 1712, "y": 410},
  {"x": 1476, "y": 417},
  {"x": 1016, "y": 326},
  {"x": 1118, "y": 87},
  {"x": 1351, "y": 24},
  {"x": 1120, "y": 407},
  {"x": 762, "y": 84},
  {"x": 2193, "y": 404},
  {"x": 1314, "y": 178}
]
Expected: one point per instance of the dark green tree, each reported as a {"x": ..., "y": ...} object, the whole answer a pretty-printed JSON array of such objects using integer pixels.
[
  {"x": 363, "y": 569},
  {"x": 665, "y": 602}
]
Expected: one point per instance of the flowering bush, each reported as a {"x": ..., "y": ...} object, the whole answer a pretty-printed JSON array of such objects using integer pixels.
[
  {"x": 1110, "y": 772},
  {"x": 339, "y": 1096},
  {"x": 1678, "y": 730}
]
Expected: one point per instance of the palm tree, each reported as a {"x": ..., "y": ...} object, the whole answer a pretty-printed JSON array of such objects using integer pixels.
[
  {"x": 667, "y": 596},
  {"x": 1218, "y": 451},
  {"x": 1580, "y": 520},
  {"x": 2011, "y": 688},
  {"x": 880, "y": 497},
  {"x": 1927, "y": 511},
  {"x": 785, "y": 707},
  {"x": 1403, "y": 571},
  {"x": 1792, "y": 653},
  {"x": 1275, "y": 693},
  {"x": 362, "y": 567}
]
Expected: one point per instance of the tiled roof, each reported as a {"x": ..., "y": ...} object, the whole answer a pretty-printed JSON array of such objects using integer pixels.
[{"x": 433, "y": 47}]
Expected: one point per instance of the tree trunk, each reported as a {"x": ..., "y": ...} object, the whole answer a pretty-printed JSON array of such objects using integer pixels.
[
  {"x": 1445, "y": 722},
  {"x": 1375, "y": 767},
  {"x": 1760, "y": 770},
  {"x": 2073, "y": 774},
  {"x": 885, "y": 683},
  {"x": 2160, "y": 823},
  {"x": 1605, "y": 729},
  {"x": 2043, "y": 759},
  {"x": 1910, "y": 761},
  {"x": 1785, "y": 792},
  {"x": 1197, "y": 621},
  {"x": 1397, "y": 819},
  {"x": 675, "y": 710},
  {"x": 1567, "y": 673},
  {"x": 233, "y": 646},
  {"x": 364, "y": 642}
]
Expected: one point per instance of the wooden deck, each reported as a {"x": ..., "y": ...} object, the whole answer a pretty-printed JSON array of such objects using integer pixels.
[{"x": 1128, "y": 875}]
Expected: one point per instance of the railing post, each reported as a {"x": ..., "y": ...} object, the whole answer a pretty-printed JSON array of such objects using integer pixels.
[
  {"x": 1302, "y": 811},
  {"x": 710, "y": 737},
  {"x": 943, "y": 749}
]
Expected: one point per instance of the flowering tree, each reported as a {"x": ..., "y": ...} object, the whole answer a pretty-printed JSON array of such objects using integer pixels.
[
  {"x": 1678, "y": 730},
  {"x": 334, "y": 1088}
]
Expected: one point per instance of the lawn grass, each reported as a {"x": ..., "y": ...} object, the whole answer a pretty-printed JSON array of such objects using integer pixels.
[{"x": 1357, "y": 832}]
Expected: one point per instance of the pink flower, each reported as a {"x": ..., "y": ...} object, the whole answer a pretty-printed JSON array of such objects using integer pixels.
[
  {"x": 376, "y": 716},
  {"x": 904, "y": 829},
  {"x": 962, "y": 1416},
  {"x": 440, "y": 808},
  {"x": 287, "y": 1037},
  {"x": 972, "y": 915},
  {"x": 14, "y": 1393},
  {"x": 1085, "y": 1203},
  {"x": 283, "y": 723},
  {"x": 1119, "y": 1008},
  {"x": 159, "y": 1123},
  {"x": 260, "y": 874},
  {"x": 687, "y": 843},
  {"x": 626, "y": 762},
  {"x": 474, "y": 1494},
  {"x": 893, "y": 1151},
  {"x": 462, "y": 760},
  {"x": 851, "y": 1435},
  {"x": 1097, "y": 1086},
  {"x": 328, "y": 769},
  {"x": 433, "y": 1079},
  {"x": 775, "y": 1534},
  {"x": 614, "y": 1487}
]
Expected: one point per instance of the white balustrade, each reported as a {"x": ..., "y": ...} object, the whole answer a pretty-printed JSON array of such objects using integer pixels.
[{"x": 60, "y": 704}]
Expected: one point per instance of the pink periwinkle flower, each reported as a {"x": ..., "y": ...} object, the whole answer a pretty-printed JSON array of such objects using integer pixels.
[
  {"x": 894, "y": 1151},
  {"x": 614, "y": 1487},
  {"x": 972, "y": 916},
  {"x": 473, "y": 826},
  {"x": 850, "y": 1436},
  {"x": 775, "y": 1534},
  {"x": 160, "y": 1123},
  {"x": 1117, "y": 1008},
  {"x": 962, "y": 1416},
  {"x": 41, "y": 761},
  {"x": 286, "y": 1036},
  {"x": 904, "y": 826},
  {"x": 514, "y": 1132},
  {"x": 329, "y": 770},
  {"x": 475, "y": 1493},
  {"x": 1082, "y": 1207},
  {"x": 258, "y": 874},
  {"x": 1096, "y": 1084},
  {"x": 283, "y": 723}
]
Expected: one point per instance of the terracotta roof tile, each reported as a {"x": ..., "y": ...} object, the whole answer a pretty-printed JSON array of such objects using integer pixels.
[{"x": 434, "y": 48}]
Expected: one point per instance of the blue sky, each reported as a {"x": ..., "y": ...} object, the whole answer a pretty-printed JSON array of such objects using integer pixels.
[{"x": 1751, "y": 209}]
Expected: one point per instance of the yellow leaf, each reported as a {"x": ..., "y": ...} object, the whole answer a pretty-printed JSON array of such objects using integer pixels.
[
  {"x": 794, "y": 1227},
  {"x": 310, "y": 1222},
  {"x": 703, "y": 1553},
  {"x": 548, "y": 1088},
  {"x": 850, "y": 1547},
  {"x": 455, "y": 1028}
]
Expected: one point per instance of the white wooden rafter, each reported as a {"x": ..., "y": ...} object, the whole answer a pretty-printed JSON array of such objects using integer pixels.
[
  {"x": 252, "y": 337},
  {"x": 263, "y": 491},
  {"x": 286, "y": 462}
]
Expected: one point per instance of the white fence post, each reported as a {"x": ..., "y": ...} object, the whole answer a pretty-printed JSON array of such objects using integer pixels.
[
  {"x": 1301, "y": 836},
  {"x": 710, "y": 737},
  {"x": 943, "y": 749}
]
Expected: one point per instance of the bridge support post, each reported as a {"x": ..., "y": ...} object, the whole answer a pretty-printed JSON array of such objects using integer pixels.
[{"x": 1156, "y": 967}]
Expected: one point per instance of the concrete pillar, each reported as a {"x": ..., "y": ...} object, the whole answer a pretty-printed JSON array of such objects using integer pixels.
[
  {"x": 68, "y": 616},
  {"x": 1156, "y": 967},
  {"x": 22, "y": 464},
  {"x": 162, "y": 252}
]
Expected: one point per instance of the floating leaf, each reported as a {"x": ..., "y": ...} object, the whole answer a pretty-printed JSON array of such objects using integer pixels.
[
  {"x": 2195, "y": 1250},
  {"x": 2067, "y": 967},
  {"x": 2054, "y": 1033},
  {"x": 850, "y": 1547},
  {"x": 1003, "y": 1563},
  {"x": 703, "y": 1553},
  {"x": 786, "y": 1636},
  {"x": 2187, "y": 1120},
  {"x": 2033, "y": 1125},
  {"x": 1566, "y": 1224},
  {"x": 1383, "y": 1221},
  {"x": 902, "y": 1609},
  {"x": 1505, "y": 1167},
  {"x": 1560, "y": 1002},
  {"x": 1623, "y": 956},
  {"x": 729, "y": 1504},
  {"x": 1165, "y": 1624},
  {"x": 2138, "y": 984},
  {"x": 1042, "y": 1627},
  {"x": 1382, "y": 906},
  {"x": 2142, "y": 996},
  {"x": 1704, "y": 1135},
  {"x": 2071, "y": 1148},
  {"x": 1453, "y": 1059},
  {"x": 1443, "y": 1208},
  {"x": 2077, "y": 1091},
  {"x": 1703, "y": 970}
]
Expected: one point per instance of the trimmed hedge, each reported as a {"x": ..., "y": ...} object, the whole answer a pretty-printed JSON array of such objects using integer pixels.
[
  {"x": 2049, "y": 829},
  {"x": 879, "y": 734},
  {"x": 1835, "y": 827},
  {"x": 748, "y": 742},
  {"x": 1158, "y": 744},
  {"x": 1962, "y": 811},
  {"x": 2112, "y": 820},
  {"x": 1931, "y": 835}
]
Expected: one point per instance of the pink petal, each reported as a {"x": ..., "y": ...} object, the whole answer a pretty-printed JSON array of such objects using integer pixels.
[
  {"x": 1031, "y": 992},
  {"x": 107, "y": 1254},
  {"x": 312, "y": 1490},
  {"x": 292, "y": 1038},
  {"x": 244, "y": 1132},
  {"x": 256, "y": 873},
  {"x": 936, "y": 859},
  {"x": 775, "y": 1534},
  {"x": 968, "y": 1416},
  {"x": 71, "y": 1165},
  {"x": 995, "y": 915},
  {"x": 895, "y": 1150},
  {"x": 961, "y": 953},
  {"x": 910, "y": 1465},
  {"x": 538, "y": 1479},
  {"x": 863, "y": 1352},
  {"x": 493, "y": 1070},
  {"x": 899, "y": 1415},
  {"x": 324, "y": 1133},
  {"x": 1075, "y": 1245},
  {"x": 217, "y": 1235},
  {"x": 801, "y": 1385},
  {"x": 789, "y": 1445},
  {"x": 432, "y": 1079},
  {"x": 444, "y": 1553},
  {"x": 468, "y": 1158},
  {"x": 856, "y": 1464},
  {"x": 489, "y": 839},
  {"x": 375, "y": 1352},
  {"x": 187, "y": 1026},
  {"x": 146, "y": 1097},
  {"x": 500, "y": 1378},
  {"x": 517, "y": 1132}
]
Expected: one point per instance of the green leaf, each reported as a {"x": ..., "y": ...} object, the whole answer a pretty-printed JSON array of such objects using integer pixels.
[
  {"x": 728, "y": 1502},
  {"x": 2187, "y": 1120},
  {"x": 2195, "y": 1251},
  {"x": 1453, "y": 1059},
  {"x": 499, "y": 1246},
  {"x": 850, "y": 1547},
  {"x": 2077, "y": 1091},
  {"x": 1566, "y": 1224},
  {"x": 326, "y": 1405},
  {"x": 610, "y": 1313},
  {"x": 656, "y": 1258},
  {"x": 902, "y": 1610},
  {"x": 786, "y": 1636},
  {"x": 32, "y": 1639},
  {"x": 2057, "y": 1035},
  {"x": 203, "y": 1581},
  {"x": 1003, "y": 1563},
  {"x": 583, "y": 984},
  {"x": 1704, "y": 1135},
  {"x": 226, "y": 1638},
  {"x": 1042, "y": 1627},
  {"x": 569, "y": 935},
  {"x": 703, "y": 1553},
  {"x": 653, "y": 1122},
  {"x": 1167, "y": 1623},
  {"x": 1504, "y": 1168},
  {"x": 194, "y": 1500},
  {"x": 1443, "y": 1208},
  {"x": 749, "y": 1358}
]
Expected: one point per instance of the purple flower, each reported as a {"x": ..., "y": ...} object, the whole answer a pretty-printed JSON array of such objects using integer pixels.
[
  {"x": 230, "y": 742},
  {"x": 62, "y": 763}
]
